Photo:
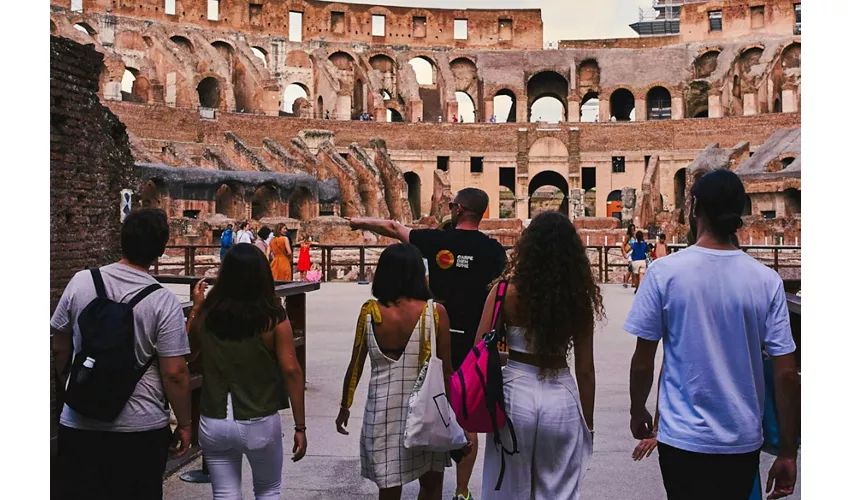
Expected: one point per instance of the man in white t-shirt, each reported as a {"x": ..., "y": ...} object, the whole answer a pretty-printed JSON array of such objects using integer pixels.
[
  {"x": 245, "y": 235},
  {"x": 715, "y": 308},
  {"x": 126, "y": 458}
]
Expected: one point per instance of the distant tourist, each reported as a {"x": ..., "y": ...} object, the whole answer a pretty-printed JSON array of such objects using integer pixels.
[
  {"x": 440, "y": 119},
  {"x": 715, "y": 307},
  {"x": 103, "y": 455},
  {"x": 626, "y": 248},
  {"x": 462, "y": 263},
  {"x": 250, "y": 374},
  {"x": 661, "y": 246},
  {"x": 244, "y": 235},
  {"x": 327, "y": 115},
  {"x": 550, "y": 309},
  {"x": 304, "y": 262},
  {"x": 260, "y": 242},
  {"x": 282, "y": 263},
  {"x": 639, "y": 252},
  {"x": 492, "y": 118},
  {"x": 461, "y": 118},
  {"x": 454, "y": 118},
  {"x": 391, "y": 334},
  {"x": 226, "y": 240}
]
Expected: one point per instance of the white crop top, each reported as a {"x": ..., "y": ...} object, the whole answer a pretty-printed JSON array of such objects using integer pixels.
[{"x": 516, "y": 339}]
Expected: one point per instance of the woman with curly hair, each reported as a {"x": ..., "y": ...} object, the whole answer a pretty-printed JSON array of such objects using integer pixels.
[{"x": 550, "y": 308}]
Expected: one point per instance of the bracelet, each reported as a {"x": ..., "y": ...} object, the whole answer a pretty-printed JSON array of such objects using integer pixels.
[{"x": 300, "y": 428}]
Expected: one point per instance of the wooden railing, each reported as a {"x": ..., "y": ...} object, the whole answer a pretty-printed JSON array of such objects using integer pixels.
[{"x": 603, "y": 261}]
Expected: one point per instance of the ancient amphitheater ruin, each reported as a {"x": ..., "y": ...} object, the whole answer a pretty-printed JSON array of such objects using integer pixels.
[{"x": 253, "y": 109}]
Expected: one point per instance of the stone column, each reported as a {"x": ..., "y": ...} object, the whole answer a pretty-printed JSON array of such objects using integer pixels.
[
  {"x": 789, "y": 101},
  {"x": 451, "y": 111},
  {"x": 573, "y": 111},
  {"x": 416, "y": 110},
  {"x": 715, "y": 109},
  {"x": 750, "y": 106},
  {"x": 489, "y": 109},
  {"x": 171, "y": 89},
  {"x": 628, "y": 196},
  {"x": 677, "y": 109},
  {"x": 112, "y": 91},
  {"x": 604, "y": 110},
  {"x": 640, "y": 110},
  {"x": 521, "y": 111}
]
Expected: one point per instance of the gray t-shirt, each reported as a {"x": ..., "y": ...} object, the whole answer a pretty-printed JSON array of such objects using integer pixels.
[{"x": 160, "y": 329}]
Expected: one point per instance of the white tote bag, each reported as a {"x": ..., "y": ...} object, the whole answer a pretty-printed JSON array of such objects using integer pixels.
[{"x": 431, "y": 423}]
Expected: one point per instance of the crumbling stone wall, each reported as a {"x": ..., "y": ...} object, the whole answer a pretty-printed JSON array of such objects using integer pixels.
[{"x": 90, "y": 163}]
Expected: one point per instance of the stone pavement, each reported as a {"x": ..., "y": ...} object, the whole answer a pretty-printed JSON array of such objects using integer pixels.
[{"x": 331, "y": 469}]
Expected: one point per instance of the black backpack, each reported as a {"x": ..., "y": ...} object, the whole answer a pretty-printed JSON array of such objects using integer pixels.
[{"x": 104, "y": 373}]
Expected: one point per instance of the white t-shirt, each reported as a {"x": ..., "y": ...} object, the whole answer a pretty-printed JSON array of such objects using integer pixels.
[
  {"x": 160, "y": 329},
  {"x": 245, "y": 237},
  {"x": 714, "y": 309}
]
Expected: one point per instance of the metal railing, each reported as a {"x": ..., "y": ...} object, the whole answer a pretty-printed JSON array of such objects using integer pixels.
[{"x": 604, "y": 262}]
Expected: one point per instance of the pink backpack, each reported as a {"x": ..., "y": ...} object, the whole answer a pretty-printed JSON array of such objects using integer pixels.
[{"x": 475, "y": 389}]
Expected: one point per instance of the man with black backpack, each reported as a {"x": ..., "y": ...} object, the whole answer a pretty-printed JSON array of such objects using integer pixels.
[{"x": 121, "y": 339}]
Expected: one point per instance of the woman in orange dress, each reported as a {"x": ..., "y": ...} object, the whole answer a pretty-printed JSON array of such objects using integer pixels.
[{"x": 282, "y": 262}]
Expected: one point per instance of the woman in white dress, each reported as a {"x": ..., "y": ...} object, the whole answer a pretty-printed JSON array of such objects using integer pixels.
[
  {"x": 549, "y": 310},
  {"x": 394, "y": 333}
]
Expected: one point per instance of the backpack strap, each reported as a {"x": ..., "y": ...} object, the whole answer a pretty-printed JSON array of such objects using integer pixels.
[
  {"x": 99, "y": 287},
  {"x": 144, "y": 293}
]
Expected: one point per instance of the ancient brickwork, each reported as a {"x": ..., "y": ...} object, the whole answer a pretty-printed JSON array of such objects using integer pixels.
[{"x": 90, "y": 163}]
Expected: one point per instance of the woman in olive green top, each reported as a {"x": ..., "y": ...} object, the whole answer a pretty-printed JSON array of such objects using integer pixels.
[{"x": 249, "y": 369}]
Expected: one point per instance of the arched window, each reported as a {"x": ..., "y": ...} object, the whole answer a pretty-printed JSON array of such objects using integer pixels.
[
  {"x": 622, "y": 105},
  {"x": 260, "y": 54},
  {"x": 209, "y": 93},
  {"x": 658, "y": 104},
  {"x": 290, "y": 94},
  {"x": 424, "y": 70},
  {"x": 547, "y": 190},
  {"x": 504, "y": 106},
  {"x": 589, "y": 111},
  {"x": 465, "y": 107},
  {"x": 414, "y": 196},
  {"x": 547, "y": 109}
]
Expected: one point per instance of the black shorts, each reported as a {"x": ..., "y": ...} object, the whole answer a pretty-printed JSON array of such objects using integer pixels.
[{"x": 685, "y": 474}]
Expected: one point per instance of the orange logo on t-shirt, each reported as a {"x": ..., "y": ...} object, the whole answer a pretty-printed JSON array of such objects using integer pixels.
[{"x": 445, "y": 259}]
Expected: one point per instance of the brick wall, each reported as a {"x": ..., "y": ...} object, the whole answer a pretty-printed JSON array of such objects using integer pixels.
[{"x": 90, "y": 163}]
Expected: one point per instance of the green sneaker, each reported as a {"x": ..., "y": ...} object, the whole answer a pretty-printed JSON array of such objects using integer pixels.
[{"x": 468, "y": 496}]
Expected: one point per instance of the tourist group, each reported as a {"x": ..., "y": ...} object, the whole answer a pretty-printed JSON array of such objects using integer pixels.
[{"x": 463, "y": 341}]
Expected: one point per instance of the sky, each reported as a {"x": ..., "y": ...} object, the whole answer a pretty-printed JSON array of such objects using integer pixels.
[{"x": 562, "y": 19}]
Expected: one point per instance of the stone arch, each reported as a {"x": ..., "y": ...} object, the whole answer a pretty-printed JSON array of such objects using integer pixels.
[
  {"x": 547, "y": 83},
  {"x": 394, "y": 115},
  {"x": 86, "y": 28},
  {"x": 679, "y": 182},
  {"x": 781, "y": 162},
  {"x": 210, "y": 93},
  {"x": 424, "y": 69},
  {"x": 588, "y": 75},
  {"x": 791, "y": 56},
  {"x": 749, "y": 57},
  {"x": 414, "y": 193},
  {"x": 142, "y": 90},
  {"x": 792, "y": 199},
  {"x": 659, "y": 104},
  {"x": 504, "y": 106},
  {"x": 264, "y": 202},
  {"x": 342, "y": 60},
  {"x": 301, "y": 205},
  {"x": 261, "y": 54},
  {"x": 465, "y": 107},
  {"x": 226, "y": 197},
  {"x": 225, "y": 50},
  {"x": 320, "y": 108},
  {"x": 589, "y": 108},
  {"x": 298, "y": 59},
  {"x": 291, "y": 94},
  {"x": 614, "y": 204},
  {"x": 183, "y": 43},
  {"x": 383, "y": 63},
  {"x": 622, "y": 105},
  {"x": 465, "y": 74},
  {"x": 547, "y": 178},
  {"x": 706, "y": 63}
]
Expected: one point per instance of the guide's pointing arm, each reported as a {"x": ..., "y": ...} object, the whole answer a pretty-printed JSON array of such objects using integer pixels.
[{"x": 388, "y": 228}]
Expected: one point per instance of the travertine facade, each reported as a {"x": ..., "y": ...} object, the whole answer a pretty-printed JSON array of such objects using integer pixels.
[{"x": 215, "y": 95}]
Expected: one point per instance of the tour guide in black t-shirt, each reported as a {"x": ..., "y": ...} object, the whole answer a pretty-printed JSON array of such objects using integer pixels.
[{"x": 462, "y": 262}]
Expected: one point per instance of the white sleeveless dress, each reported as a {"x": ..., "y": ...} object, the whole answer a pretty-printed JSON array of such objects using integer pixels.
[{"x": 383, "y": 457}]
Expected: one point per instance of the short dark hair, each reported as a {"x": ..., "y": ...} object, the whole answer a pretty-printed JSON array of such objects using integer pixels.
[
  {"x": 473, "y": 200},
  {"x": 662, "y": 236},
  {"x": 144, "y": 235},
  {"x": 243, "y": 225},
  {"x": 720, "y": 197},
  {"x": 264, "y": 232},
  {"x": 639, "y": 236},
  {"x": 229, "y": 226},
  {"x": 400, "y": 274}
]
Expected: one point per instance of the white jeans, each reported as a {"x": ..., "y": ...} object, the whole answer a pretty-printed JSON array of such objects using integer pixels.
[
  {"x": 224, "y": 441},
  {"x": 553, "y": 441}
]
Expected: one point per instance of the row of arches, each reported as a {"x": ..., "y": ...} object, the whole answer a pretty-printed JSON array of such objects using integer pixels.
[{"x": 230, "y": 200}]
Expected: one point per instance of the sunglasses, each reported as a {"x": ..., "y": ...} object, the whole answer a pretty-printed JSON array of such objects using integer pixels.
[{"x": 452, "y": 205}]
